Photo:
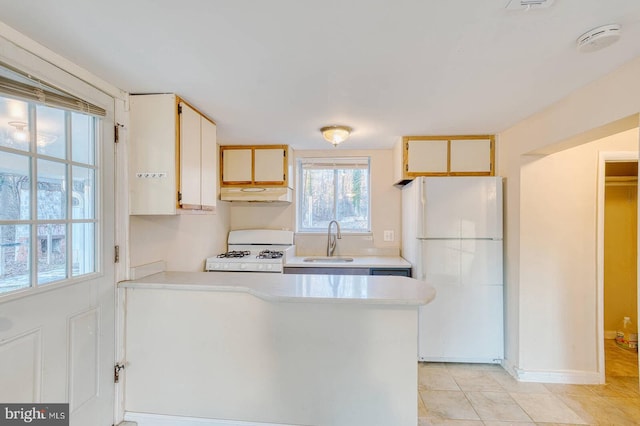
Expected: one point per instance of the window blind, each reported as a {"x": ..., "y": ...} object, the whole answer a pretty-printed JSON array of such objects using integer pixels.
[
  {"x": 15, "y": 84},
  {"x": 309, "y": 163}
]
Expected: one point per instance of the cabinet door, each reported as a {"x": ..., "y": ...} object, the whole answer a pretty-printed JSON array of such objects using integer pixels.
[
  {"x": 470, "y": 155},
  {"x": 189, "y": 157},
  {"x": 427, "y": 156},
  {"x": 269, "y": 165},
  {"x": 208, "y": 161},
  {"x": 237, "y": 165}
]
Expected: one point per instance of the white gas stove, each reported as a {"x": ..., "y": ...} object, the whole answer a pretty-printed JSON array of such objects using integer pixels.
[{"x": 253, "y": 250}]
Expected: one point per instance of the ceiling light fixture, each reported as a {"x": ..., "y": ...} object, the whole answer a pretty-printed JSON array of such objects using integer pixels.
[
  {"x": 599, "y": 38},
  {"x": 19, "y": 134},
  {"x": 336, "y": 134}
]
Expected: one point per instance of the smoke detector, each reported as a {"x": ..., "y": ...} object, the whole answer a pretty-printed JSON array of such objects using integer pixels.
[
  {"x": 599, "y": 38},
  {"x": 528, "y": 4}
]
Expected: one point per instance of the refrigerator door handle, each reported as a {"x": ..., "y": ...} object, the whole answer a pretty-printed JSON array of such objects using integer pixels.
[{"x": 422, "y": 212}]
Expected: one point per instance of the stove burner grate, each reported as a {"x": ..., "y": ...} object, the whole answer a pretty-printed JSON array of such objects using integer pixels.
[
  {"x": 235, "y": 254},
  {"x": 270, "y": 254}
]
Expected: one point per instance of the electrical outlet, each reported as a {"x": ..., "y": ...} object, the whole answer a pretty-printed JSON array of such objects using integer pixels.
[{"x": 388, "y": 236}]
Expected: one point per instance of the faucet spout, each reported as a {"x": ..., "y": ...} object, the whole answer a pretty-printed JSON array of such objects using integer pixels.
[{"x": 333, "y": 237}]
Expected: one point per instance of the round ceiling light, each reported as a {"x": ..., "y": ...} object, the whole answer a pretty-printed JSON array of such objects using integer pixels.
[
  {"x": 599, "y": 38},
  {"x": 336, "y": 134}
]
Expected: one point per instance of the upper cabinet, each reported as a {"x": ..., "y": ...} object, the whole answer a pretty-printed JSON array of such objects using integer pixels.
[
  {"x": 444, "y": 156},
  {"x": 256, "y": 165},
  {"x": 173, "y": 156}
]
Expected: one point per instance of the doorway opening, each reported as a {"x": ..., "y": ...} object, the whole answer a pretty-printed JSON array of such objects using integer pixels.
[{"x": 618, "y": 258}]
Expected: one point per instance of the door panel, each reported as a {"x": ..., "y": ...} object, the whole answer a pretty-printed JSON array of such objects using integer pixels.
[
  {"x": 462, "y": 262},
  {"x": 463, "y": 324},
  {"x": 189, "y": 156},
  {"x": 462, "y": 207}
]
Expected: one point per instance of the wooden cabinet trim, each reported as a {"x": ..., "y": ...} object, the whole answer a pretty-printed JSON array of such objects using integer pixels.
[
  {"x": 280, "y": 183},
  {"x": 405, "y": 155}
]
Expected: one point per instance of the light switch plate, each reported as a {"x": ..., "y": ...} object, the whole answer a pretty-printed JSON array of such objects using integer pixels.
[{"x": 388, "y": 236}]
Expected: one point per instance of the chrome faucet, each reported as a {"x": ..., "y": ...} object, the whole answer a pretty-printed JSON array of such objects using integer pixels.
[{"x": 331, "y": 238}]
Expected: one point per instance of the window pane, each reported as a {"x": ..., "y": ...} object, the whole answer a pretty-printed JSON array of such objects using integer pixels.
[
  {"x": 14, "y": 124},
  {"x": 52, "y": 252},
  {"x": 82, "y": 138},
  {"x": 15, "y": 187},
  {"x": 51, "y": 135},
  {"x": 334, "y": 188},
  {"x": 317, "y": 198},
  {"x": 14, "y": 257},
  {"x": 52, "y": 200},
  {"x": 82, "y": 197},
  {"x": 82, "y": 250},
  {"x": 353, "y": 199}
]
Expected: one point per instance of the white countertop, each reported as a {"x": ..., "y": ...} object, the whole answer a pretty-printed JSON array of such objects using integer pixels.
[
  {"x": 353, "y": 289},
  {"x": 358, "y": 262}
]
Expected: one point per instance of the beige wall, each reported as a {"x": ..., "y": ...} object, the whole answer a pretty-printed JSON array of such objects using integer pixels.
[
  {"x": 606, "y": 106},
  {"x": 385, "y": 208},
  {"x": 182, "y": 241},
  {"x": 557, "y": 256},
  {"x": 620, "y": 254}
]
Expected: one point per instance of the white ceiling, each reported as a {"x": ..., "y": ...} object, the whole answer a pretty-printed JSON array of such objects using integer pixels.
[{"x": 275, "y": 71}]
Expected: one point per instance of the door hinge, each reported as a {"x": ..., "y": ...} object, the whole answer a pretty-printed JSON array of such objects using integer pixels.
[
  {"x": 116, "y": 132},
  {"x": 116, "y": 372},
  {"x": 406, "y": 167},
  {"x": 179, "y": 108},
  {"x": 116, "y": 258},
  {"x": 284, "y": 153},
  {"x": 179, "y": 196}
]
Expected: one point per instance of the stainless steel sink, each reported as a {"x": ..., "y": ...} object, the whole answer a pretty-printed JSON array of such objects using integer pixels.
[{"x": 329, "y": 259}]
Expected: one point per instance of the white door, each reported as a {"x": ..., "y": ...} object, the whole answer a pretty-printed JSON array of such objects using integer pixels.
[{"x": 57, "y": 280}]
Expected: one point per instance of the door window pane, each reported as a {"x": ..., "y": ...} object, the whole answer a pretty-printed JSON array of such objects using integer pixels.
[
  {"x": 82, "y": 137},
  {"x": 52, "y": 190},
  {"x": 82, "y": 198},
  {"x": 51, "y": 245},
  {"x": 47, "y": 228},
  {"x": 51, "y": 135},
  {"x": 14, "y": 124},
  {"x": 15, "y": 187},
  {"x": 82, "y": 249},
  {"x": 14, "y": 257}
]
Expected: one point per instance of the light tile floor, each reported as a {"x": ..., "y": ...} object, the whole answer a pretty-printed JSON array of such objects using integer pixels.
[{"x": 484, "y": 394}]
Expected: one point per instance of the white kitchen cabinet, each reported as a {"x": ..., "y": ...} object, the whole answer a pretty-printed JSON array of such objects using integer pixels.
[
  {"x": 236, "y": 165},
  {"x": 471, "y": 155},
  {"x": 173, "y": 159},
  {"x": 256, "y": 165}
]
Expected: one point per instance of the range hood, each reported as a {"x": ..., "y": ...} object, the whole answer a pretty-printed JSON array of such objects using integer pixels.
[{"x": 257, "y": 194}]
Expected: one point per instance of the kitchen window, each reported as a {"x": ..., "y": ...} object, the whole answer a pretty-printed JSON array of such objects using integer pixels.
[
  {"x": 48, "y": 180},
  {"x": 334, "y": 189}
]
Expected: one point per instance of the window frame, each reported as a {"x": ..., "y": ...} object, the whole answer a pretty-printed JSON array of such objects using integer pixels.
[
  {"x": 320, "y": 160},
  {"x": 94, "y": 164}
]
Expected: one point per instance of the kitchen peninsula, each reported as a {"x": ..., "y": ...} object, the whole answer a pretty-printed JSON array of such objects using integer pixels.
[{"x": 273, "y": 348}]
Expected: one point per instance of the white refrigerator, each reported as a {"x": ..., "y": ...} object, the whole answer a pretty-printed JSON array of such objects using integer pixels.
[{"x": 452, "y": 236}]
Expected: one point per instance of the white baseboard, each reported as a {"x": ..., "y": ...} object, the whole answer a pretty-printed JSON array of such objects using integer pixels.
[
  {"x": 566, "y": 377},
  {"x": 146, "y": 419}
]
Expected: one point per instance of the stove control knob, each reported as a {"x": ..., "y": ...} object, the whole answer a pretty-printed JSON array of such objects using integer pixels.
[
  {"x": 260, "y": 267},
  {"x": 269, "y": 267},
  {"x": 243, "y": 266}
]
